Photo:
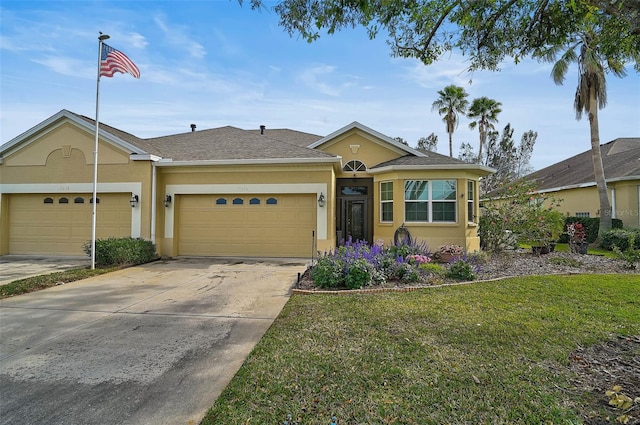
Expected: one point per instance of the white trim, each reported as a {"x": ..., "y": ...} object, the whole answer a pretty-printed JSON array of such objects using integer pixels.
[
  {"x": 131, "y": 187},
  {"x": 144, "y": 157},
  {"x": 613, "y": 202},
  {"x": 370, "y": 131},
  {"x": 168, "y": 162},
  {"x": 21, "y": 140},
  {"x": 440, "y": 167},
  {"x": 228, "y": 189}
]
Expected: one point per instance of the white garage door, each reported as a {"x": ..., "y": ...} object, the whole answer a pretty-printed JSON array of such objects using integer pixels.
[
  {"x": 246, "y": 225},
  {"x": 60, "y": 224}
]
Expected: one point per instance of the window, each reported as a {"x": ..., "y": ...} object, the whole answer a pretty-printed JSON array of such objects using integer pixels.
[
  {"x": 471, "y": 195},
  {"x": 353, "y": 166},
  {"x": 254, "y": 201},
  {"x": 48, "y": 200},
  {"x": 221, "y": 201},
  {"x": 78, "y": 200},
  {"x": 272, "y": 201},
  {"x": 416, "y": 200},
  {"x": 91, "y": 201},
  {"x": 386, "y": 201},
  {"x": 63, "y": 200},
  {"x": 355, "y": 190},
  {"x": 238, "y": 201},
  {"x": 582, "y": 214},
  {"x": 430, "y": 200}
]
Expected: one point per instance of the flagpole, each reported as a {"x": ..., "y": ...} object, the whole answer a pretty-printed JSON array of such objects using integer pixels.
[{"x": 101, "y": 38}]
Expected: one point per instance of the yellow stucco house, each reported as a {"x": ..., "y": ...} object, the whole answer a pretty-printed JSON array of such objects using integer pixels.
[
  {"x": 228, "y": 191},
  {"x": 573, "y": 181}
]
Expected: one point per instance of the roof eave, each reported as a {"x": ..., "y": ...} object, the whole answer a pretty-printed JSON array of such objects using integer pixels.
[
  {"x": 479, "y": 169},
  {"x": 587, "y": 184},
  {"x": 168, "y": 162}
]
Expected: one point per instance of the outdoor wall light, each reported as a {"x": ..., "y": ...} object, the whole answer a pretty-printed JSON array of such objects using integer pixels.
[
  {"x": 321, "y": 200},
  {"x": 167, "y": 200},
  {"x": 134, "y": 200}
]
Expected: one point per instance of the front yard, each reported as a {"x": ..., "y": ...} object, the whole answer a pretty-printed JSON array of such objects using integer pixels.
[{"x": 511, "y": 351}]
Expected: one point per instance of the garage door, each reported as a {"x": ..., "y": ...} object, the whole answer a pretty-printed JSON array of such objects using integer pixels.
[
  {"x": 61, "y": 224},
  {"x": 246, "y": 225}
]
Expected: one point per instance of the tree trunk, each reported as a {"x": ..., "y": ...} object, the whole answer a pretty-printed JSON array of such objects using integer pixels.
[
  {"x": 483, "y": 137},
  {"x": 451, "y": 144},
  {"x": 598, "y": 169}
]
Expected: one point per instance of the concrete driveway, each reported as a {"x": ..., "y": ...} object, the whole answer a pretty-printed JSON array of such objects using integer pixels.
[{"x": 153, "y": 344}]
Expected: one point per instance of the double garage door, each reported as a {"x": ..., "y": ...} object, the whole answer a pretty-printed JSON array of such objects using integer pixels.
[
  {"x": 246, "y": 225},
  {"x": 60, "y": 224}
]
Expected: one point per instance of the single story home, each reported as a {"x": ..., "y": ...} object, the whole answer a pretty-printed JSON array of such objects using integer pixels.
[
  {"x": 573, "y": 181},
  {"x": 227, "y": 191}
]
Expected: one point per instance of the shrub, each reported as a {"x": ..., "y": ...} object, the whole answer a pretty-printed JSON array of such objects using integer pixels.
[
  {"x": 327, "y": 273},
  {"x": 122, "y": 251},
  {"x": 619, "y": 238},
  {"x": 591, "y": 226},
  {"x": 359, "y": 274},
  {"x": 461, "y": 270}
]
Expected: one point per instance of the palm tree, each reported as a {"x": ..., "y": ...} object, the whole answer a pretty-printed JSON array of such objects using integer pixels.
[
  {"x": 591, "y": 95},
  {"x": 452, "y": 101},
  {"x": 485, "y": 113}
]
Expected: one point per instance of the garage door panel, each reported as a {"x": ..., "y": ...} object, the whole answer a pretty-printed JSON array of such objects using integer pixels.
[
  {"x": 280, "y": 230},
  {"x": 62, "y": 229}
]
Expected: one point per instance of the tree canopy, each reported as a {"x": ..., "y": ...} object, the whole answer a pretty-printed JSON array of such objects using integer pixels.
[{"x": 487, "y": 31}]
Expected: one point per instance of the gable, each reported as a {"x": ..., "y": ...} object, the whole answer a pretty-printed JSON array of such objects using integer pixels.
[{"x": 63, "y": 139}]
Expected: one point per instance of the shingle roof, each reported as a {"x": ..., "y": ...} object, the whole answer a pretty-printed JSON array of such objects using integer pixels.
[
  {"x": 225, "y": 143},
  {"x": 620, "y": 158},
  {"x": 431, "y": 158}
]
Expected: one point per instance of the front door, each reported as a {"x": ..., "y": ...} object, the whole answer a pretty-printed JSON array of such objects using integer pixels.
[
  {"x": 354, "y": 209},
  {"x": 355, "y": 219}
]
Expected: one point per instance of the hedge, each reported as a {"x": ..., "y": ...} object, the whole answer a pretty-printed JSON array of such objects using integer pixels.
[
  {"x": 122, "y": 251},
  {"x": 591, "y": 226},
  {"x": 620, "y": 238}
]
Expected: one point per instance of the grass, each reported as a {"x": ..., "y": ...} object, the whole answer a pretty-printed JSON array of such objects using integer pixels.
[
  {"x": 485, "y": 353},
  {"x": 593, "y": 250},
  {"x": 36, "y": 283}
]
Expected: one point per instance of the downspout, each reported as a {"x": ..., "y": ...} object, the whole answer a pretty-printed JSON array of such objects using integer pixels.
[
  {"x": 153, "y": 202},
  {"x": 613, "y": 202}
]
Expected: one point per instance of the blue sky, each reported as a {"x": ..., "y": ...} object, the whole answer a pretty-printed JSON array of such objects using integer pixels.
[{"x": 214, "y": 63}]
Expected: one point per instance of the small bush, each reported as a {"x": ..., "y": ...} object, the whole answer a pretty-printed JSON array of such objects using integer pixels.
[
  {"x": 461, "y": 270},
  {"x": 591, "y": 226},
  {"x": 122, "y": 251},
  {"x": 619, "y": 238},
  {"x": 359, "y": 274},
  {"x": 327, "y": 273}
]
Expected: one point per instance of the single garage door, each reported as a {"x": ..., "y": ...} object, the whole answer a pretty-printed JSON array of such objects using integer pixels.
[
  {"x": 60, "y": 224},
  {"x": 246, "y": 225}
]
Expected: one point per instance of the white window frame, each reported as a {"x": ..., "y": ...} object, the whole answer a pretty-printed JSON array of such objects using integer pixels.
[
  {"x": 430, "y": 201},
  {"x": 354, "y": 166},
  {"x": 386, "y": 201},
  {"x": 471, "y": 194}
]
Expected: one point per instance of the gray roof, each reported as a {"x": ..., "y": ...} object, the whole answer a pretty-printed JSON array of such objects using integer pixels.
[
  {"x": 225, "y": 143},
  {"x": 432, "y": 160},
  {"x": 620, "y": 158}
]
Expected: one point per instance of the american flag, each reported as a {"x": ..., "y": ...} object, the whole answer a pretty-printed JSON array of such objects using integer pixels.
[{"x": 113, "y": 61}]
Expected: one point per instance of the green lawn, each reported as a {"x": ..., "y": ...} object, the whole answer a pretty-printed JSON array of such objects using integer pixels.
[
  {"x": 484, "y": 353},
  {"x": 36, "y": 283}
]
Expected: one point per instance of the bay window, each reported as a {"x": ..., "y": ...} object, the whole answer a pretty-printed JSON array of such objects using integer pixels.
[{"x": 430, "y": 200}]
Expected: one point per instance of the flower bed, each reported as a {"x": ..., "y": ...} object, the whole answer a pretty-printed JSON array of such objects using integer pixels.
[{"x": 356, "y": 265}]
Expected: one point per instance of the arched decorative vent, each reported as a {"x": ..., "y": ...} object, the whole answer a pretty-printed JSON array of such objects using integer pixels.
[
  {"x": 272, "y": 201},
  {"x": 238, "y": 201},
  {"x": 78, "y": 200},
  {"x": 221, "y": 201},
  {"x": 354, "y": 166},
  {"x": 63, "y": 200},
  {"x": 48, "y": 200},
  {"x": 254, "y": 201}
]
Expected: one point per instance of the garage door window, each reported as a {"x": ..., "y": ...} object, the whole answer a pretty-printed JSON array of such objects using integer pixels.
[
  {"x": 238, "y": 201},
  {"x": 272, "y": 201},
  {"x": 48, "y": 200},
  {"x": 221, "y": 201},
  {"x": 63, "y": 201},
  {"x": 78, "y": 200},
  {"x": 254, "y": 201}
]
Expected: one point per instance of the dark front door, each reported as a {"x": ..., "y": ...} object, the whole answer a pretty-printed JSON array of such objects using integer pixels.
[
  {"x": 355, "y": 219},
  {"x": 354, "y": 209}
]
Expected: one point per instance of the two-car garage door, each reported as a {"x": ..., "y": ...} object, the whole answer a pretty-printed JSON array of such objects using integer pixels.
[
  {"x": 60, "y": 224},
  {"x": 275, "y": 225}
]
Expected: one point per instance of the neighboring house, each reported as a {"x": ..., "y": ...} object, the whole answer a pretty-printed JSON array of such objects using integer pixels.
[
  {"x": 227, "y": 191},
  {"x": 573, "y": 181}
]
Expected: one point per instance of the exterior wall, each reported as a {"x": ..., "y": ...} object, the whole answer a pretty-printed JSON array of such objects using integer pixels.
[
  {"x": 60, "y": 160},
  {"x": 248, "y": 179},
  {"x": 623, "y": 196},
  {"x": 462, "y": 232}
]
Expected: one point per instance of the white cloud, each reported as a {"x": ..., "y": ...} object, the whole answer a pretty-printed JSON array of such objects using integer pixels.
[
  {"x": 176, "y": 37},
  {"x": 311, "y": 77}
]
